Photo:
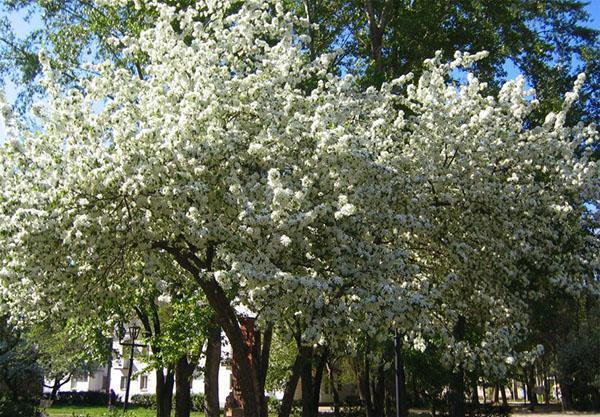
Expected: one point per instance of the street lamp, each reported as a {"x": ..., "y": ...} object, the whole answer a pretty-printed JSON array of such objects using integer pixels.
[{"x": 134, "y": 332}]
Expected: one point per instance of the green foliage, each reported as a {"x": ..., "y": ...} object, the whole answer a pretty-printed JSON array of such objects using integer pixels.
[
  {"x": 579, "y": 364},
  {"x": 81, "y": 398},
  {"x": 9, "y": 407},
  {"x": 149, "y": 401},
  {"x": 281, "y": 360},
  {"x": 549, "y": 41},
  {"x": 20, "y": 376},
  {"x": 68, "y": 348}
]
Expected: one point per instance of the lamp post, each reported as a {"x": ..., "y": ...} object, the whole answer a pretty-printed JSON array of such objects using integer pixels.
[{"x": 134, "y": 332}]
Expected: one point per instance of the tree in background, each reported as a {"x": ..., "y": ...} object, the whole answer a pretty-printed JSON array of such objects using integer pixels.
[
  {"x": 20, "y": 374},
  {"x": 548, "y": 41},
  {"x": 66, "y": 350}
]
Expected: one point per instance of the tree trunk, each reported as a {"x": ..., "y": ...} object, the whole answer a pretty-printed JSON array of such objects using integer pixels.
[
  {"x": 225, "y": 314},
  {"x": 401, "y": 395},
  {"x": 496, "y": 394},
  {"x": 546, "y": 389},
  {"x": 183, "y": 386},
  {"x": 58, "y": 382},
  {"x": 164, "y": 392},
  {"x": 530, "y": 377},
  {"x": 318, "y": 379},
  {"x": 290, "y": 388},
  {"x": 308, "y": 400},
  {"x": 456, "y": 394},
  {"x": 474, "y": 392},
  {"x": 334, "y": 391},
  {"x": 263, "y": 350},
  {"x": 211, "y": 372},
  {"x": 503, "y": 395},
  {"x": 377, "y": 27},
  {"x": 378, "y": 389}
]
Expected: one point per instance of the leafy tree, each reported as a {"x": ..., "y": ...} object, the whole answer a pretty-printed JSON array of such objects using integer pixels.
[
  {"x": 548, "y": 41},
  {"x": 20, "y": 374},
  {"x": 63, "y": 352}
]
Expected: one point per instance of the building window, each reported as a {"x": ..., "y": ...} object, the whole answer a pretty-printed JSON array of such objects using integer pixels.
[
  {"x": 123, "y": 383},
  {"x": 144, "y": 382},
  {"x": 73, "y": 382}
]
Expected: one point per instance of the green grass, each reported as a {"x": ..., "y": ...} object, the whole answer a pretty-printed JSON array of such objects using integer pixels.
[{"x": 96, "y": 411}]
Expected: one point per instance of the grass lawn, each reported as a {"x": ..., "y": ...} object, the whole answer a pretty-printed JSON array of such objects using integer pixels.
[{"x": 96, "y": 411}]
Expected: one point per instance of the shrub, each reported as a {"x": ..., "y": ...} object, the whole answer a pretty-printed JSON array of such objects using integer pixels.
[
  {"x": 81, "y": 398},
  {"x": 144, "y": 400},
  {"x": 11, "y": 408},
  {"x": 197, "y": 402},
  {"x": 488, "y": 410}
]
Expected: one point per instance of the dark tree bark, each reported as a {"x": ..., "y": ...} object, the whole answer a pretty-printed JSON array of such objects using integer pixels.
[
  {"x": 334, "y": 390},
  {"x": 474, "y": 392},
  {"x": 263, "y": 353},
  {"x": 456, "y": 395},
  {"x": 211, "y": 372},
  {"x": 321, "y": 360},
  {"x": 566, "y": 395},
  {"x": 308, "y": 399},
  {"x": 164, "y": 392},
  {"x": 225, "y": 314},
  {"x": 184, "y": 370},
  {"x": 503, "y": 395},
  {"x": 402, "y": 400},
  {"x": 530, "y": 378},
  {"x": 378, "y": 391},
  {"x": 164, "y": 382},
  {"x": 377, "y": 27},
  {"x": 57, "y": 383},
  {"x": 290, "y": 387}
]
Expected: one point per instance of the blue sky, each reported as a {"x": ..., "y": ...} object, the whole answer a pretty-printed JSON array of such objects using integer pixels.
[{"x": 21, "y": 25}]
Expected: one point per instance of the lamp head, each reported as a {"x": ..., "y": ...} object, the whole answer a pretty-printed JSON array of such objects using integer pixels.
[{"x": 134, "y": 331}]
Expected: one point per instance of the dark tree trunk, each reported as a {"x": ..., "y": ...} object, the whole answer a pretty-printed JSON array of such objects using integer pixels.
[
  {"x": 456, "y": 395},
  {"x": 400, "y": 377},
  {"x": 263, "y": 352},
  {"x": 164, "y": 392},
  {"x": 379, "y": 391},
  {"x": 377, "y": 24},
  {"x": 496, "y": 394},
  {"x": 58, "y": 382},
  {"x": 290, "y": 388},
  {"x": 474, "y": 392},
  {"x": 211, "y": 372},
  {"x": 530, "y": 377},
  {"x": 546, "y": 389},
  {"x": 364, "y": 382},
  {"x": 308, "y": 399},
  {"x": 566, "y": 395},
  {"x": 321, "y": 360},
  {"x": 225, "y": 314},
  {"x": 184, "y": 370},
  {"x": 334, "y": 390},
  {"x": 503, "y": 395}
]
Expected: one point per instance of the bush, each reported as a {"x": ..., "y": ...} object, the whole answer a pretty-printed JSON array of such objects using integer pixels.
[
  {"x": 488, "y": 410},
  {"x": 144, "y": 400},
  {"x": 81, "y": 398},
  {"x": 11, "y": 408},
  {"x": 149, "y": 401},
  {"x": 197, "y": 402}
]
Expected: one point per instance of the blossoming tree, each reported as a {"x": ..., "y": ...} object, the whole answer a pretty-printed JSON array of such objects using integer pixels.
[{"x": 233, "y": 160}]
